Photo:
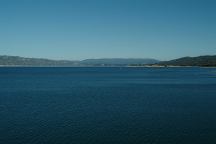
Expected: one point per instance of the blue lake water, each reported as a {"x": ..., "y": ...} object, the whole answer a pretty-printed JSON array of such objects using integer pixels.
[{"x": 107, "y": 105}]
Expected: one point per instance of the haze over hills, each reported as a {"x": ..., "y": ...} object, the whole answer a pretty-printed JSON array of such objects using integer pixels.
[
  {"x": 118, "y": 61},
  {"x": 21, "y": 61},
  {"x": 203, "y": 61}
]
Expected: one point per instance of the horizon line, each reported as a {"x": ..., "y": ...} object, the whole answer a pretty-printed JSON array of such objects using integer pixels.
[{"x": 56, "y": 59}]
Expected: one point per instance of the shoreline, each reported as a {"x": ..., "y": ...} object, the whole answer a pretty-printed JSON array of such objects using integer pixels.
[{"x": 154, "y": 66}]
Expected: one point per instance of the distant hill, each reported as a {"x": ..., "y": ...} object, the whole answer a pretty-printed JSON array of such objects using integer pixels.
[
  {"x": 204, "y": 61},
  {"x": 117, "y": 61},
  {"x": 21, "y": 61}
]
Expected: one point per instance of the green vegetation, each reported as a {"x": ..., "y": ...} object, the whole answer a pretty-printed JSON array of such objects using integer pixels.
[{"x": 203, "y": 61}]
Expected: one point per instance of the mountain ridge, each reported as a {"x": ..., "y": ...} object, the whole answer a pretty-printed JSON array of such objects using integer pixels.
[
  {"x": 118, "y": 61},
  {"x": 202, "y": 61},
  {"x": 23, "y": 61}
]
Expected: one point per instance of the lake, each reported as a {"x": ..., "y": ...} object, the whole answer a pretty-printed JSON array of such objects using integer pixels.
[{"x": 107, "y": 105}]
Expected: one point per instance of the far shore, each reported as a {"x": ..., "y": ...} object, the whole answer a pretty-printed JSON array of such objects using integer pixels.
[
  {"x": 130, "y": 66},
  {"x": 170, "y": 66}
]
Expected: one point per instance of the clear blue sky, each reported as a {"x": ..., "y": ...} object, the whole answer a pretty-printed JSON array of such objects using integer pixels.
[{"x": 80, "y": 29}]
